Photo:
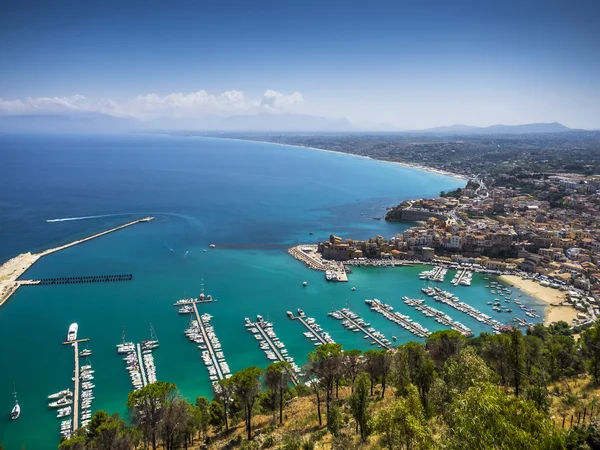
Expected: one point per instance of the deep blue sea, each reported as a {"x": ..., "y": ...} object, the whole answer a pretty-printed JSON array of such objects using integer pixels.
[{"x": 252, "y": 200}]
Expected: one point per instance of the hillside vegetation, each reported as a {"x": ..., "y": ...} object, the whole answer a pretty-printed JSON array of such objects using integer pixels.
[{"x": 505, "y": 391}]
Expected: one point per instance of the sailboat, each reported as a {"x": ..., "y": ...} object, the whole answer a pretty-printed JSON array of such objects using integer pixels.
[
  {"x": 153, "y": 342},
  {"x": 125, "y": 347},
  {"x": 203, "y": 297},
  {"x": 16, "y": 411}
]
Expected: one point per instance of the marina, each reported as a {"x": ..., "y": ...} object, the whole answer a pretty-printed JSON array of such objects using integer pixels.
[
  {"x": 315, "y": 333},
  {"x": 463, "y": 277},
  {"x": 440, "y": 317},
  {"x": 437, "y": 274},
  {"x": 404, "y": 321},
  {"x": 82, "y": 391},
  {"x": 451, "y": 300},
  {"x": 139, "y": 360},
  {"x": 353, "y": 322},
  {"x": 202, "y": 333},
  {"x": 269, "y": 342}
]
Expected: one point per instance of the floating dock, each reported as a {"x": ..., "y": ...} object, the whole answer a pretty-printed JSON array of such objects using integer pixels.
[
  {"x": 462, "y": 277},
  {"x": 86, "y": 279},
  {"x": 449, "y": 299},
  {"x": 400, "y": 319},
  {"x": 313, "y": 328},
  {"x": 213, "y": 355},
  {"x": 439, "y": 316},
  {"x": 354, "y": 319},
  {"x": 260, "y": 326},
  {"x": 76, "y": 375},
  {"x": 12, "y": 269},
  {"x": 138, "y": 348}
]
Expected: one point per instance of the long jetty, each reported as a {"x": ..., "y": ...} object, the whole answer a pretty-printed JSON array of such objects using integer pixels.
[
  {"x": 208, "y": 343},
  {"x": 440, "y": 317},
  {"x": 404, "y": 321},
  {"x": 467, "y": 309},
  {"x": 141, "y": 364},
  {"x": 76, "y": 376},
  {"x": 301, "y": 318},
  {"x": 11, "y": 270},
  {"x": 376, "y": 339},
  {"x": 258, "y": 325}
]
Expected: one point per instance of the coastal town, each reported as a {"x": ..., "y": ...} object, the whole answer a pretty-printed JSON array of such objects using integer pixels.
[{"x": 550, "y": 250}]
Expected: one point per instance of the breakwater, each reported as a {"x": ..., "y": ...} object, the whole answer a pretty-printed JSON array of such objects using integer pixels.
[{"x": 11, "y": 270}]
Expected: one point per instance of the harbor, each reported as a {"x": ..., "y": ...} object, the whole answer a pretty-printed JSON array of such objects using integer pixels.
[
  {"x": 463, "y": 277},
  {"x": 353, "y": 322},
  {"x": 11, "y": 270},
  {"x": 315, "y": 333},
  {"x": 269, "y": 342},
  {"x": 139, "y": 359},
  {"x": 70, "y": 404},
  {"x": 404, "y": 321},
  {"x": 453, "y": 301},
  {"x": 440, "y": 317},
  {"x": 201, "y": 332},
  {"x": 438, "y": 273}
]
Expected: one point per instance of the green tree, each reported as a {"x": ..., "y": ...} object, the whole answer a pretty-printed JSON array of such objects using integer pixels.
[
  {"x": 402, "y": 425},
  {"x": 495, "y": 353},
  {"x": 421, "y": 369},
  {"x": 97, "y": 420},
  {"x": 223, "y": 392},
  {"x": 176, "y": 416},
  {"x": 464, "y": 370},
  {"x": 247, "y": 387},
  {"x": 326, "y": 364},
  {"x": 352, "y": 361},
  {"x": 516, "y": 358},
  {"x": 591, "y": 350},
  {"x": 202, "y": 415},
  {"x": 485, "y": 417},
  {"x": 359, "y": 404},
  {"x": 113, "y": 434},
  {"x": 444, "y": 344},
  {"x": 277, "y": 379},
  {"x": 147, "y": 406}
]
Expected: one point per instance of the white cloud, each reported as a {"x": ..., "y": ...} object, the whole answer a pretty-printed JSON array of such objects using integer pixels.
[{"x": 149, "y": 106}]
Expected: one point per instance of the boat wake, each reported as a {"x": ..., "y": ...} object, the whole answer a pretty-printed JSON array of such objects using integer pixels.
[{"x": 67, "y": 219}]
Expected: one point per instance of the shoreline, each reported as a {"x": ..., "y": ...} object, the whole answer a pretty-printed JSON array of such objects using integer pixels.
[
  {"x": 409, "y": 165},
  {"x": 556, "y": 310}
]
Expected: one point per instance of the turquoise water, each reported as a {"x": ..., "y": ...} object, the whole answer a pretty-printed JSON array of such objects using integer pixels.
[{"x": 252, "y": 200}]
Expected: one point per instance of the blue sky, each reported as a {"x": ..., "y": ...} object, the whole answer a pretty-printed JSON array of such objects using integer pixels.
[{"x": 412, "y": 64}]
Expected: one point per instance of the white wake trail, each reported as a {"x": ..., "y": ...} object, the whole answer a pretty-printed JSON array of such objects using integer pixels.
[{"x": 66, "y": 219}]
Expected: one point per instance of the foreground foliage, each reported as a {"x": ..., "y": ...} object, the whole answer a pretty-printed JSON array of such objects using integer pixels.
[{"x": 489, "y": 392}]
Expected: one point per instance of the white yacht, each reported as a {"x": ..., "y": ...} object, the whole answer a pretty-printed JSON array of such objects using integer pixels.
[
  {"x": 65, "y": 393},
  {"x": 72, "y": 333}
]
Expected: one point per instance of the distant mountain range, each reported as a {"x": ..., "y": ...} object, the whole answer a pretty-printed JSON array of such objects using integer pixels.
[
  {"x": 553, "y": 127},
  {"x": 94, "y": 122}
]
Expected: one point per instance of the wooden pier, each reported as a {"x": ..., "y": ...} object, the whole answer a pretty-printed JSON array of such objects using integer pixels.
[
  {"x": 308, "y": 327},
  {"x": 258, "y": 325},
  {"x": 365, "y": 331},
  {"x": 75, "y": 345}
]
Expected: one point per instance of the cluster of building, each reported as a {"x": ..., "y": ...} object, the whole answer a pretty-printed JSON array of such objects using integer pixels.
[{"x": 504, "y": 229}]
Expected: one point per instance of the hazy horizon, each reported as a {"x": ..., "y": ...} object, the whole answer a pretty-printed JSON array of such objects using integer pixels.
[{"x": 388, "y": 65}]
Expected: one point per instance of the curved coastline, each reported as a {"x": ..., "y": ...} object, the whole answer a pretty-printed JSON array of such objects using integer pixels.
[{"x": 410, "y": 165}]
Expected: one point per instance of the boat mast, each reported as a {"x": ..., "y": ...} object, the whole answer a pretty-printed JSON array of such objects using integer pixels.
[{"x": 153, "y": 334}]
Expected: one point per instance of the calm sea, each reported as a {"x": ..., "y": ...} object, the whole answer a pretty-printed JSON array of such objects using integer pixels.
[{"x": 252, "y": 200}]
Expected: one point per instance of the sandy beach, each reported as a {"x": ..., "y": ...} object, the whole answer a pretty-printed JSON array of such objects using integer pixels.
[
  {"x": 551, "y": 297},
  {"x": 412, "y": 166}
]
